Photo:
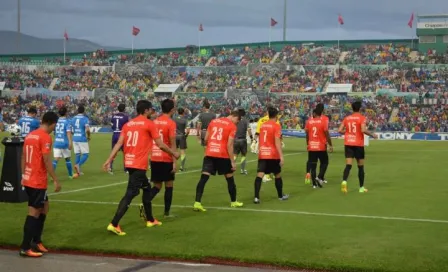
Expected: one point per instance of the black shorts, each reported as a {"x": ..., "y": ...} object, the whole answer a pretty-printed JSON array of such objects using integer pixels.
[
  {"x": 162, "y": 171},
  {"x": 356, "y": 152},
  {"x": 137, "y": 179},
  {"x": 36, "y": 197},
  {"x": 269, "y": 166},
  {"x": 212, "y": 165},
  {"x": 181, "y": 142},
  {"x": 240, "y": 146},
  {"x": 314, "y": 156},
  {"x": 203, "y": 132}
]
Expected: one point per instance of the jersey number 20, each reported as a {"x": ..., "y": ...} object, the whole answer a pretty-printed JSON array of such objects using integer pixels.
[{"x": 132, "y": 138}]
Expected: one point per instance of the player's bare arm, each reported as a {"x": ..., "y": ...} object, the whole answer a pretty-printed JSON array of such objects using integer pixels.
[
  {"x": 230, "y": 144},
  {"x": 166, "y": 149},
  {"x": 330, "y": 143},
  {"x": 70, "y": 140},
  {"x": 49, "y": 166},
  {"x": 206, "y": 137},
  {"x": 113, "y": 153},
  {"x": 278, "y": 146},
  {"x": 307, "y": 136},
  {"x": 173, "y": 149},
  {"x": 88, "y": 133},
  {"x": 341, "y": 129},
  {"x": 367, "y": 132},
  {"x": 198, "y": 129},
  {"x": 187, "y": 132}
]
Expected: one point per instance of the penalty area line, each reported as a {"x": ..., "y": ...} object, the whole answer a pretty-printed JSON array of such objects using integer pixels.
[
  {"x": 124, "y": 182},
  {"x": 270, "y": 211}
]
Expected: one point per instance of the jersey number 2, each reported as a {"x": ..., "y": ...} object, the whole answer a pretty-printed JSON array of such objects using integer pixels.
[
  {"x": 132, "y": 138},
  {"x": 216, "y": 134},
  {"x": 315, "y": 132}
]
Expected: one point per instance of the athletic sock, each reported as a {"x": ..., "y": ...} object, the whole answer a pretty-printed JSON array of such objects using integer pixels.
[
  {"x": 38, "y": 235},
  {"x": 313, "y": 168},
  {"x": 68, "y": 164},
  {"x": 147, "y": 204},
  {"x": 84, "y": 158},
  {"x": 200, "y": 187},
  {"x": 121, "y": 210},
  {"x": 243, "y": 163},
  {"x": 322, "y": 170},
  {"x": 231, "y": 186},
  {"x": 347, "y": 169},
  {"x": 153, "y": 192},
  {"x": 168, "y": 199},
  {"x": 361, "y": 175},
  {"x": 257, "y": 186},
  {"x": 308, "y": 167},
  {"x": 183, "y": 158},
  {"x": 77, "y": 158},
  {"x": 55, "y": 163},
  {"x": 279, "y": 187},
  {"x": 29, "y": 230}
]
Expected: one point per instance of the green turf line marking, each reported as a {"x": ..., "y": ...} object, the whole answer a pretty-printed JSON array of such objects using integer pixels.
[{"x": 268, "y": 211}]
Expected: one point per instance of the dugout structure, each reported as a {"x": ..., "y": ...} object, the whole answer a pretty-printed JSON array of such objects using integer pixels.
[{"x": 432, "y": 32}]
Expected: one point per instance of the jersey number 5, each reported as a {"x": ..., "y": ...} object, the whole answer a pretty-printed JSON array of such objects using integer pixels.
[
  {"x": 352, "y": 127},
  {"x": 132, "y": 138},
  {"x": 216, "y": 134}
]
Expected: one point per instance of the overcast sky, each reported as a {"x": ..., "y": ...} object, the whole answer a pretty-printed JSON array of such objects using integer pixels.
[{"x": 170, "y": 23}]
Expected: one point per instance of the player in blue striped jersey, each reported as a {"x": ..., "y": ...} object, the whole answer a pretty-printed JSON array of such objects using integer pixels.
[{"x": 63, "y": 141}]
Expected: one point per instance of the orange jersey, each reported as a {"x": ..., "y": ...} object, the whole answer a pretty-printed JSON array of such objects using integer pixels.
[
  {"x": 353, "y": 133},
  {"x": 219, "y": 131},
  {"x": 138, "y": 134},
  {"x": 316, "y": 128},
  {"x": 36, "y": 145},
  {"x": 325, "y": 119},
  {"x": 269, "y": 131},
  {"x": 166, "y": 128}
]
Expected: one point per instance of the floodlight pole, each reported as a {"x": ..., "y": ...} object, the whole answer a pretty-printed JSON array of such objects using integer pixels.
[
  {"x": 284, "y": 20},
  {"x": 18, "y": 26}
]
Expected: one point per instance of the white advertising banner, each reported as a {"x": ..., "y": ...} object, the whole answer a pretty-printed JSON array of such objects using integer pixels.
[{"x": 432, "y": 25}]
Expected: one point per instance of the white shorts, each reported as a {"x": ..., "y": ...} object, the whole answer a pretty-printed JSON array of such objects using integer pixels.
[
  {"x": 62, "y": 153},
  {"x": 82, "y": 148}
]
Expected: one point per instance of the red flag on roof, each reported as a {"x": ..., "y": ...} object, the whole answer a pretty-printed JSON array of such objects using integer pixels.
[
  {"x": 201, "y": 28},
  {"x": 411, "y": 20},
  {"x": 135, "y": 30},
  {"x": 340, "y": 19},
  {"x": 273, "y": 22},
  {"x": 65, "y": 35}
]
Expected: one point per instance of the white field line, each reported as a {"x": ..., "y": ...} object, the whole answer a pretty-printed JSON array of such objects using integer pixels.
[
  {"x": 123, "y": 182},
  {"x": 271, "y": 211}
]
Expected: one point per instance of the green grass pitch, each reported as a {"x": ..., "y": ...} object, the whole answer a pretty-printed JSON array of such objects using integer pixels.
[{"x": 401, "y": 224}]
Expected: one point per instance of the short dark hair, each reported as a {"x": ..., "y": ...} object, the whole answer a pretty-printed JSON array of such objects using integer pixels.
[
  {"x": 242, "y": 112},
  {"x": 167, "y": 105},
  {"x": 50, "y": 118},
  {"x": 235, "y": 113},
  {"x": 62, "y": 111},
  {"x": 206, "y": 104},
  {"x": 180, "y": 110},
  {"x": 142, "y": 106},
  {"x": 272, "y": 112},
  {"x": 81, "y": 109},
  {"x": 32, "y": 109},
  {"x": 319, "y": 109},
  {"x": 121, "y": 107},
  {"x": 356, "y": 106}
]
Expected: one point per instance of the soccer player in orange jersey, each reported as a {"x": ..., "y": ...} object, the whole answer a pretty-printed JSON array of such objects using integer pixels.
[
  {"x": 163, "y": 165},
  {"x": 270, "y": 155},
  {"x": 219, "y": 157},
  {"x": 354, "y": 127},
  {"x": 137, "y": 137},
  {"x": 317, "y": 137},
  {"x": 36, "y": 165}
]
